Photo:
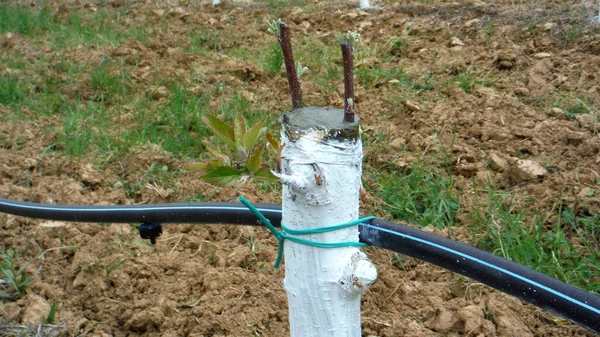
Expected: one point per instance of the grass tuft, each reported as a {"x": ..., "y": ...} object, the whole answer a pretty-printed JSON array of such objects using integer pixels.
[
  {"x": 15, "y": 280},
  {"x": 420, "y": 195},
  {"x": 272, "y": 59},
  {"x": 563, "y": 246},
  {"x": 11, "y": 90}
]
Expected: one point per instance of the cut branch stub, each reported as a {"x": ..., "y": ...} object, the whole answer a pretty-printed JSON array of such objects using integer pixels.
[
  {"x": 348, "y": 57},
  {"x": 326, "y": 122},
  {"x": 290, "y": 66}
]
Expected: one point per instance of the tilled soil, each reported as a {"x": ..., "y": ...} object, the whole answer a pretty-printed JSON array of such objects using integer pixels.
[{"x": 218, "y": 280}]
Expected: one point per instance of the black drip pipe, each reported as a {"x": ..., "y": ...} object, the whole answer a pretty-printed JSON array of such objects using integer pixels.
[
  {"x": 541, "y": 290},
  {"x": 205, "y": 212},
  {"x": 509, "y": 277}
]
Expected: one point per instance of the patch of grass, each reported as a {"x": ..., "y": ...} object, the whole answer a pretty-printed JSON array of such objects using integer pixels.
[
  {"x": 576, "y": 106},
  {"x": 15, "y": 280},
  {"x": 253, "y": 112},
  {"x": 420, "y": 195},
  {"x": 206, "y": 40},
  {"x": 93, "y": 127},
  {"x": 276, "y": 7},
  {"x": 272, "y": 59},
  {"x": 106, "y": 84},
  {"x": 369, "y": 76},
  {"x": 564, "y": 246},
  {"x": 398, "y": 46},
  {"x": 12, "y": 91},
  {"x": 104, "y": 27},
  {"x": 321, "y": 59},
  {"x": 570, "y": 35},
  {"x": 24, "y": 21},
  {"x": 84, "y": 126},
  {"x": 174, "y": 125},
  {"x": 160, "y": 174},
  {"x": 268, "y": 186},
  {"x": 467, "y": 80}
]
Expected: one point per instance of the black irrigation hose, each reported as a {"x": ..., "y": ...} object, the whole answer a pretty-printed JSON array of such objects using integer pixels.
[{"x": 541, "y": 290}]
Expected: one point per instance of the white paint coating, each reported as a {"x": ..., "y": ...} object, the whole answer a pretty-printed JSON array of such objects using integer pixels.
[
  {"x": 324, "y": 286},
  {"x": 359, "y": 274},
  {"x": 216, "y": 2},
  {"x": 364, "y": 4}
]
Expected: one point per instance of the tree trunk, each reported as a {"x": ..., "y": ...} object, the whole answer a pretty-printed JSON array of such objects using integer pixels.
[{"x": 322, "y": 162}]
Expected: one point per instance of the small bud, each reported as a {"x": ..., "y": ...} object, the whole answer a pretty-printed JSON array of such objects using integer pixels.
[
  {"x": 273, "y": 26},
  {"x": 300, "y": 69},
  {"x": 353, "y": 37}
]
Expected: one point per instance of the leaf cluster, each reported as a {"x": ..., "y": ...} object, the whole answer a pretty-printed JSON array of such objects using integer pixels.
[
  {"x": 273, "y": 27},
  {"x": 222, "y": 170}
]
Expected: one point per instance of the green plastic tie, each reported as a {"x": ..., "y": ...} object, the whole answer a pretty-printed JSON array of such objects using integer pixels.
[{"x": 289, "y": 234}]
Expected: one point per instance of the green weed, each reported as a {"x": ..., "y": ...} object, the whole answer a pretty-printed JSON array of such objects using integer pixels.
[
  {"x": 420, "y": 195},
  {"x": 206, "y": 40},
  {"x": 268, "y": 186},
  {"x": 569, "y": 36},
  {"x": 11, "y": 90},
  {"x": 564, "y": 246},
  {"x": 106, "y": 84},
  {"x": 49, "y": 319},
  {"x": 577, "y": 107},
  {"x": 372, "y": 75},
  {"x": 398, "y": 46},
  {"x": 83, "y": 126},
  {"x": 16, "y": 277},
  {"x": 110, "y": 268},
  {"x": 22, "y": 20},
  {"x": 174, "y": 125},
  {"x": 272, "y": 59},
  {"x": 467, "y": 81},
  {"x": 101, "y": 28},
  {"x": 212, "y": 259},
  {"x": 321, "y": 59}
]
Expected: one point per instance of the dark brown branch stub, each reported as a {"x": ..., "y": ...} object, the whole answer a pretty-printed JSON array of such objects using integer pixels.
[
  {"x": 348, "y": 57},
  {"x": 290, "y": 67}
]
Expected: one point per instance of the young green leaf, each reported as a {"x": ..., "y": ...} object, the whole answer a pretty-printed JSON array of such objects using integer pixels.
[
  {"x": 195, "y": 166},
  {"x": 252, "y": 135},
  {"x": 49, "y": 319},
  {"x": 239, "y": 128},
  {"x": 207, "y": 166},
  {"x": 353, "y": 37},
  {"x": 223, "y": 175},
  {"x": 272, "y": 141},
  {"x": 265, "y": 173},
  {"x": 222, "y": 130},
  {"x": 273, "y": 27},
  {"x": 217, "y": 154},
  {"x": 300, "y": 70},
  {"x": 275, "y": 149},
  {"x": 253, "y": 164}
]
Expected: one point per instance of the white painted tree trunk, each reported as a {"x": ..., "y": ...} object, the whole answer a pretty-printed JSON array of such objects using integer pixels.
[
  {"x": 216, "y": 2},
  {"x": 321, "y": 174},
  {"x": 364, "y": 4}
]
